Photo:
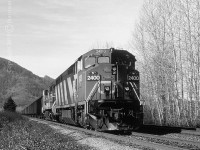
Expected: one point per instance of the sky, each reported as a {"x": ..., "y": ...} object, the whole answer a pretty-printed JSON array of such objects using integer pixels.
[{"x": 47, "y": 36}]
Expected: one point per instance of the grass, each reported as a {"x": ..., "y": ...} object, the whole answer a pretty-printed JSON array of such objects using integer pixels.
[{"x": 18, "y": 133}]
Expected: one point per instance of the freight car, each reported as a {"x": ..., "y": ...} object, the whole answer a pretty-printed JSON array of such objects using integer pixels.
[
  {"x": 99, "y": 91},
  {"x": 34, "y": 109}
]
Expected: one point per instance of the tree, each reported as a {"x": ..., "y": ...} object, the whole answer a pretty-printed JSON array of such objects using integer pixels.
[
  {"x": 9, "y": 105},
  {"x": 168, "y": 39}
]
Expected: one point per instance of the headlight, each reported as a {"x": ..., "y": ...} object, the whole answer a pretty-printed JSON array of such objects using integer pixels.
[
  {"x": 106, "y": 88},
  {"x": 126, "y": 89},
  {"x": 114, "y": 70}
]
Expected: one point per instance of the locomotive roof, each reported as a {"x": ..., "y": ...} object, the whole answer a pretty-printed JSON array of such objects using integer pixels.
[
  {"x": 100, "y": 52},
  {"x": 104, "y": 51}
]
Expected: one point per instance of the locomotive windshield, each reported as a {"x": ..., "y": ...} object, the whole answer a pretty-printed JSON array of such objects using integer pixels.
[
  {"x": 89, "y": 61},
  {"x": 103, "y": 60}
]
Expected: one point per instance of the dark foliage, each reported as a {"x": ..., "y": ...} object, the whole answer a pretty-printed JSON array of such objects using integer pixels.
[{"x": 9, "y": 105}]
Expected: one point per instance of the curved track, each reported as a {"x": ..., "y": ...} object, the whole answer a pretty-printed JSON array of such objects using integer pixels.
[{"x": 146, "y": 141}]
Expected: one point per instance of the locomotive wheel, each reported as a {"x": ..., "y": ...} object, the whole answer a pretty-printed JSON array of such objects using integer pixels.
[
  {"x": 46, "y": 115},
  {"x": 136, "y": 127},
  {"x": 101, "y": 122},
  {"x": 57, "y": 118},
  {"x": 86, "y": 124},
  {"x": 50, "y": 116}
]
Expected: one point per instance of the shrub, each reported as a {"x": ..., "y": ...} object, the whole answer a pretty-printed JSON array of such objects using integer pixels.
[
  {"x": 7, "y": 117},
  {"x": 10, "y": 105}
]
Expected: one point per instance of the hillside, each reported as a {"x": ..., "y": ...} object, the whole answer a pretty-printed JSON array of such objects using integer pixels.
[{"x": 20, "y": 83}]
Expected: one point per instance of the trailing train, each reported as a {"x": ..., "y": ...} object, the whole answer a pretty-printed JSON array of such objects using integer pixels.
[{"x": 100, "y": 91}]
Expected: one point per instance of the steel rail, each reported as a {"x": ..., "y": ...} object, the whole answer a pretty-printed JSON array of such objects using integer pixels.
[{"x": 123, "y": 139}]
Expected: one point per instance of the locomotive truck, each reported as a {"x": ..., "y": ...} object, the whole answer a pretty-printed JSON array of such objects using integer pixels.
[{"x": 100, "y": 91}]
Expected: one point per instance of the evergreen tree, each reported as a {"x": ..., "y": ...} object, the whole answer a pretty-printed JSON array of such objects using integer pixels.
[{"x": 9, "y": 105}]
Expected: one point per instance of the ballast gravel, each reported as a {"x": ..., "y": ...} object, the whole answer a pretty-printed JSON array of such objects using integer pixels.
[
  {"x": 184, "y": 137},
  {"x": 95, "y": 143}
]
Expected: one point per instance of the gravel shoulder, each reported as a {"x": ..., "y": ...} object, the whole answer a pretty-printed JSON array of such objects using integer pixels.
[
  {"x": 95, "y": 143},
  {"x": 98, "y": 141}
]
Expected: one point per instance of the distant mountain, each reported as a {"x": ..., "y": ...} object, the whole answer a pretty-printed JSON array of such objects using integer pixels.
[{"x": 20, "y": 83}]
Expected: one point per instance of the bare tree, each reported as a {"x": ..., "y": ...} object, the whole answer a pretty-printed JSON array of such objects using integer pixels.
[{"x": 168, "y": 39}]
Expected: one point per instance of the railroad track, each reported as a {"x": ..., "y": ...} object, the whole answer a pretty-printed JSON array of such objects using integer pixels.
[
  {"x": 191, "y": 132},
  {"x": 138, "y": 140},
  {"x": 185, "y": 144}
]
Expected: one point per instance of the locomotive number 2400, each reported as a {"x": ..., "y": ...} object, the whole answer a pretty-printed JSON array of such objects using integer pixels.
[
  {"x": 93, "y": 78},
  {"x": 133, "y": 78}
]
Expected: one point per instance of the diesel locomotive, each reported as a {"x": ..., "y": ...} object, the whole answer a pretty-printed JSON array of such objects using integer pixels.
[{"x": 100, "y": 91}]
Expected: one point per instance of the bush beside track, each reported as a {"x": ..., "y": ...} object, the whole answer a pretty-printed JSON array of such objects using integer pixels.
[{"x": 17, "y": 132}]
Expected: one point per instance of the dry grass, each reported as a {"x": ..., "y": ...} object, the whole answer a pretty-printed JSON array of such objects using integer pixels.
[{"x": 18, "y": 133}]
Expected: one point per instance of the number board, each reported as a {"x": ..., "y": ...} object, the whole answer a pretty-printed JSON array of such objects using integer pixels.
[
  {"x": 93, "y": 77},
  {"x": 133, "y": 78},
  {"x": 100, "y": 51}
]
